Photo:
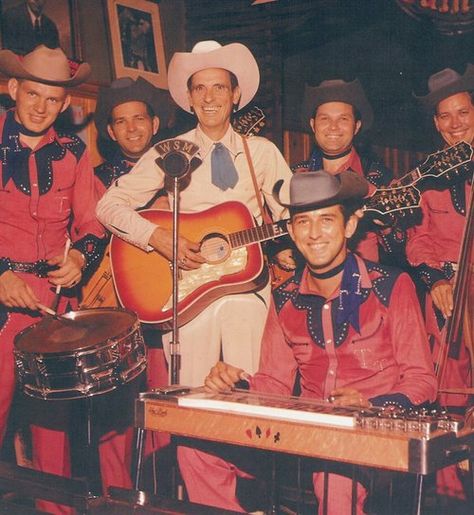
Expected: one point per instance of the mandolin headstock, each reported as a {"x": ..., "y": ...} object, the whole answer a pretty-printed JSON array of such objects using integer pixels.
[
  {"x": 250, "y": 122},
  {"x": 451, "y": 162},
  {"x": 385, "y": 201}
]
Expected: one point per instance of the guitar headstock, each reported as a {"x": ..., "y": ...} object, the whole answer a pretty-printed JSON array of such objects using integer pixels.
[
  {"x": 448, "y": 162},
  {"x": 385, "y": 201},
  {"x": 249, "y": 123}
]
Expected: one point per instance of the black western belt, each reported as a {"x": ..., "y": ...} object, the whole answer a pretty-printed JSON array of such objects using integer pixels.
[{"x": 40, "y": 268}]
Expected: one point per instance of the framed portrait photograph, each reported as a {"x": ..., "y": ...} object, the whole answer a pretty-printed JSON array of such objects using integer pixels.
[
  {"x": 136, "y": 40},
  {"x": 28, "y": 23}
]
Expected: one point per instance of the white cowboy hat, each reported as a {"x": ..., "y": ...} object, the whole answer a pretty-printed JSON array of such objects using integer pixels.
[
  {"x": 46, "y": 65},
  {"x": 234, "y": 57}
]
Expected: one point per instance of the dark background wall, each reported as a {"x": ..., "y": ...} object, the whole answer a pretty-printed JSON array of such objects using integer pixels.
[
  {"x": 298, "y": 41},
  {"x": 391, "y": 53},
  {"x": 307, "y": 41}
]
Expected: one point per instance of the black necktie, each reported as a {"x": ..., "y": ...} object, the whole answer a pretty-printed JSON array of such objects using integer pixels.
[{"x": 224, "y": 174}]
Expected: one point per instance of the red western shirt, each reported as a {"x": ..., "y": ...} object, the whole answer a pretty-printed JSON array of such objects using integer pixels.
[
  {"x": 381, "y": 351},
  {"x": 45, "y": 195}
]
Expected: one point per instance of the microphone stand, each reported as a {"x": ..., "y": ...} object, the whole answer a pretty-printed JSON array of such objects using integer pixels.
[
  {"x": 177, "y": 158},
  {"x": 175, "y": 354}
]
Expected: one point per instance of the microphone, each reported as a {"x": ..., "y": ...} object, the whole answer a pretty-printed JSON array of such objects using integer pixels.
[{"x": 177, "y": 157}]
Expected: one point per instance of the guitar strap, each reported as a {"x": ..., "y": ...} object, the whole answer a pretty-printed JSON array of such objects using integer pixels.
[
  {"x": 266, "y": 219},
  {"x": 265, "y": 216}
]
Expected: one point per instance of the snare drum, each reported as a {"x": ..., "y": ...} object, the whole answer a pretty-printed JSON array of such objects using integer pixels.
[{"x": 87, "y": 353}]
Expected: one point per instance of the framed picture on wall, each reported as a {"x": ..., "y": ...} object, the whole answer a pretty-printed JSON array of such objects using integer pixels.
[
  {"x": 136, "y": 40},
  {"x": 27, "y": 23}
]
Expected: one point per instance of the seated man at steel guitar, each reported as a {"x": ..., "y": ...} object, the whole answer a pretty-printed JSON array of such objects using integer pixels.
[{"x": 351, "y": 328}]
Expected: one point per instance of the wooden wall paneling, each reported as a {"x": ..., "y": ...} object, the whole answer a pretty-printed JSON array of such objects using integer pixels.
[
  {"x": 400, "y": 161},
  {"x": 296, "y": 146}
]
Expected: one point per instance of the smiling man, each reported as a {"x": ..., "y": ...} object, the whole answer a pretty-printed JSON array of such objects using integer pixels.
[
  {"x": 434, "y": 245},
  {"x": 127, "y": 116},
  {"x": 212, "y": 82},
  {"x": 338, "y": 112},
  {"x": 351, "y": 329},
  {"x": 47, "y": 197}
]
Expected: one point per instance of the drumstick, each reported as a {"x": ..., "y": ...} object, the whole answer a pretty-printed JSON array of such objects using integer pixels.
[
  {"x": 67, "y": 246},
  {"x": 61, "y": 318},
  {"x": 44, "y": 308}
]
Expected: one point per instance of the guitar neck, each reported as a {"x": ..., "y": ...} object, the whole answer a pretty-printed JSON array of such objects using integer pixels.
[
  {"x": 402, "y": 195},
  {"x": 450, "y": 161},
  {"x": 258, "y": 234}
]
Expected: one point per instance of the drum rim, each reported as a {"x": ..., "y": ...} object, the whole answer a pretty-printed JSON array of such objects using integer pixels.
[
  {"x": 28, "y": 389},
  {"x": 129, "y": 330}
]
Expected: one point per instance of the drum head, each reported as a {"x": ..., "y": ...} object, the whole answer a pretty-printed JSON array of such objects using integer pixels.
[{"x": 81, "y": 330}]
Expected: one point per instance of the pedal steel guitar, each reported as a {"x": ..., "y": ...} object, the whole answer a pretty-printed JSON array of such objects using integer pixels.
[{"x": 418, "y": 442}]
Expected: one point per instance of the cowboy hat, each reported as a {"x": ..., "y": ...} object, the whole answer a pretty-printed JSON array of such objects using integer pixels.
[
  {"x": 125, "y": 90},
  {"x": 234, "y": 57},
  {"x": 446, "y": 83},
  {"x": 337, "y": 91},
  {"x": 46, "y": 65},
  {"x": 314, "y": 190}
]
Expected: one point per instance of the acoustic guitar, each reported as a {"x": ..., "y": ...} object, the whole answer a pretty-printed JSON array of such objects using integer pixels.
[
  {"x": 99, "y": 291},
  {"x": 229, "y": 241}
]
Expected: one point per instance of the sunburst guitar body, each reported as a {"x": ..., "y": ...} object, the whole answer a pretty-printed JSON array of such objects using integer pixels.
[{"x": 234, "y": 264}]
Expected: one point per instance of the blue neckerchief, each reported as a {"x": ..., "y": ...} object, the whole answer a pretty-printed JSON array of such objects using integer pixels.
[
  {"x": 315, "y": 160},
  {"x": 350, "y": 294}
]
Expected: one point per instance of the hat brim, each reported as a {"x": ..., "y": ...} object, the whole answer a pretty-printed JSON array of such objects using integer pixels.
[
  {"x": 234, "y": 57},
  {"x": 351, "y": 187},
  {"x": 11, "y": 66},
  {"x": 349, "y": 93},
  {"x": 465, "y": 84},
  {"x": 140, "y": 91}
]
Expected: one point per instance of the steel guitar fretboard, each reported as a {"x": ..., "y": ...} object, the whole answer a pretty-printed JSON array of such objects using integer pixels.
[{"x": 272, "y": 406}]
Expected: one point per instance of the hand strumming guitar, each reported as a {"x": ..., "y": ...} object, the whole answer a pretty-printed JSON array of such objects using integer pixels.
[{"x": 189, "y": 257}]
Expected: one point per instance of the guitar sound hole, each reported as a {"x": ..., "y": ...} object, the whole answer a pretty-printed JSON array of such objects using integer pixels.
[{"x": 215, "y": 248}]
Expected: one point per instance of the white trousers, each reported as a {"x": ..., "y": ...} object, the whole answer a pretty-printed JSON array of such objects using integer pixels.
[{"x": 230, "y": 328}]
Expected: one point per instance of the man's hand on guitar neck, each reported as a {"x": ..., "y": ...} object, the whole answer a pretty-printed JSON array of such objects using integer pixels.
[
  {"x": 189, "y": 257},
  {"x": 284, "y": 259},
  {"x": 223, "y": 377}
]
